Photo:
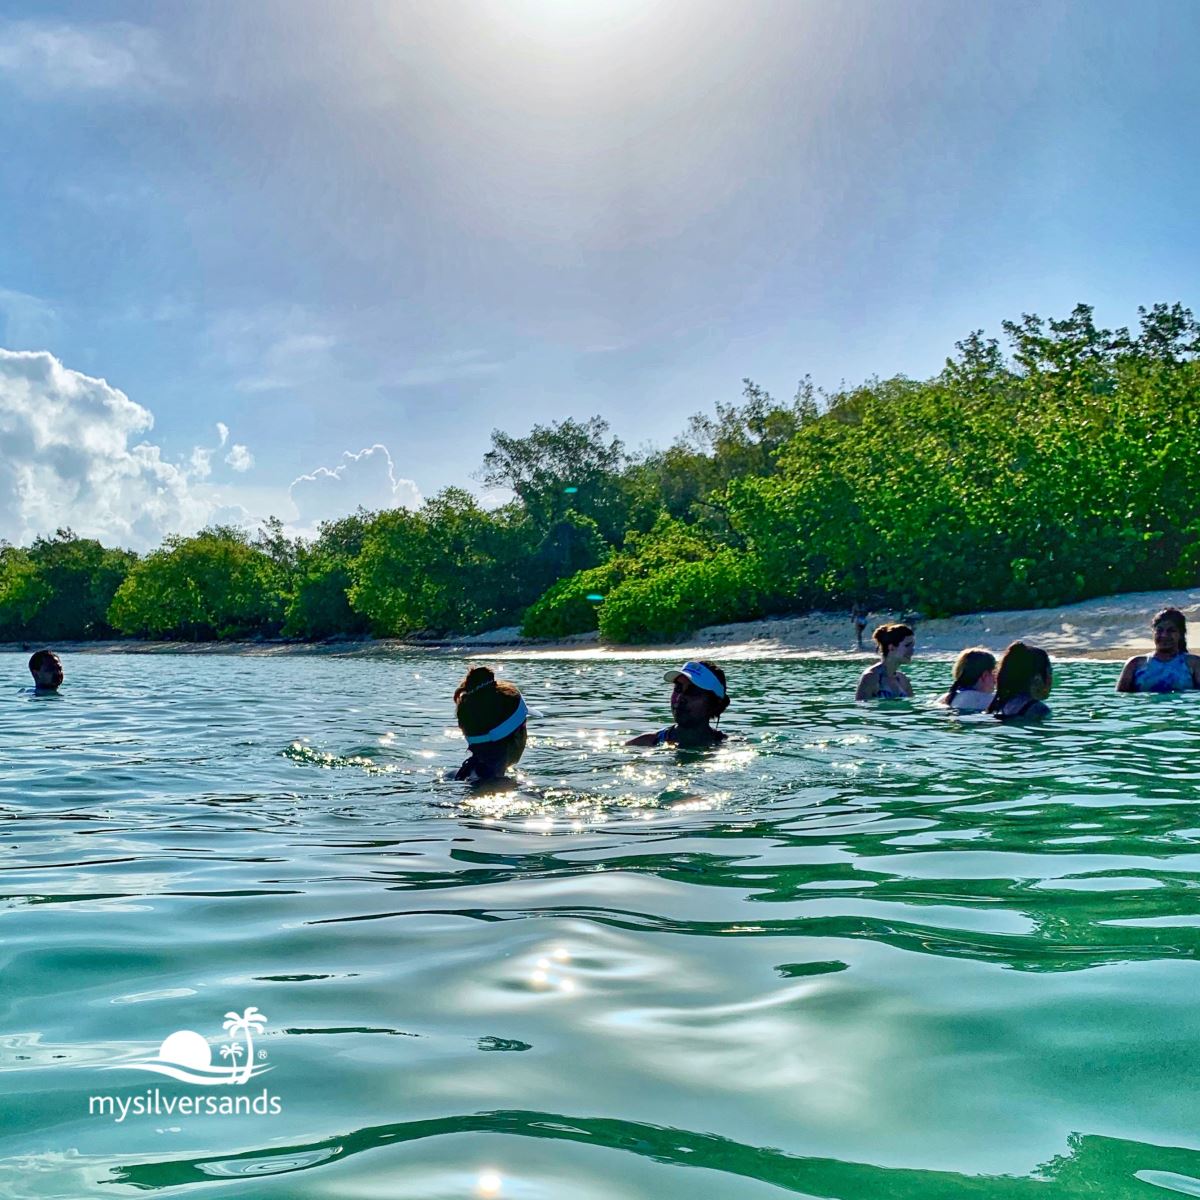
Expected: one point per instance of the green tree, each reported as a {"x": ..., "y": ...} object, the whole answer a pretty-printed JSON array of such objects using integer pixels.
[
  {"x": 568, "y": 466},
  {"x": 82, "y": 576},
  {"x": 213, "y": 585}
]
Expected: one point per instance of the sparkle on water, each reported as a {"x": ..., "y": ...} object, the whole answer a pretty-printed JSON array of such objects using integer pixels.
[{"x": 857, "y": 952}]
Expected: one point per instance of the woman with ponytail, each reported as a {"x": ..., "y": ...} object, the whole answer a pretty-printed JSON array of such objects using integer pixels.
[
  {"x": 1022, "y": 684},
  {"x": 885, "y": 680},
  {"x": 492, "y": 715},
  {"x": 974, "y": 681}
]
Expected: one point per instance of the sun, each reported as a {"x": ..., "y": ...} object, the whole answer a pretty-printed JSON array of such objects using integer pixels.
[{"x": 187, "y": 1049}]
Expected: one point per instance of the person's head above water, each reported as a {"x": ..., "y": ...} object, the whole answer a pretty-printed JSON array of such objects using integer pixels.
[
  {"x": 974, "y": 669},
  {"x": 700, "y": 694},
  {"x": 491, "y": 713},
  {"x": 699, "y": 697},
  {"x": 895, "y": 642},
  {"x": 1024, "y": 671},
  {"x": 46, "y": 669},
  {"x": 1170, "y": 632}
]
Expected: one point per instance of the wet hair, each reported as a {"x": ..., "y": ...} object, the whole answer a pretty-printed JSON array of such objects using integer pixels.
[
  {"x": 1020, "y": 666},
  {"x": 481, "y": 702},
  {"x": 716, "y": 704},
  {"x": 887, "y": 636},
  {"x": 1174, "y": 617},
  {"x": 969, "y": 668},
  {"x": 42, "y": 658}
]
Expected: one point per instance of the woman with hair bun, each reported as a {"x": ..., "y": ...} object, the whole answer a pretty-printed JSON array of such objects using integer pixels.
[
  {"x": 1170, "y": 668},
  {"x": 492, "y": 715},
  {"x": 885, "y": 680},
  {"x": 1022, "y": 684},
  {"x": 973, "y": 682}
]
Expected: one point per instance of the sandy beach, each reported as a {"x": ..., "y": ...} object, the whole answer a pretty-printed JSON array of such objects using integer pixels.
[{"x": 1109, "y": 627}]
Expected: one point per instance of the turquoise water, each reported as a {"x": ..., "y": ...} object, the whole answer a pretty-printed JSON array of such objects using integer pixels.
[{"x": 860, "y": 952}]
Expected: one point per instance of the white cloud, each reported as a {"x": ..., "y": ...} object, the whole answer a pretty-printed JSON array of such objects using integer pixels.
[
  {"x": 223, "y": 432},
  {"x": 66, "y": 458},
  {"x": 239, "y": 458},
  {"x": 200, "y": 464},
  {"x": 48, "y": 56},
  {"x": 363, "y": 480}
]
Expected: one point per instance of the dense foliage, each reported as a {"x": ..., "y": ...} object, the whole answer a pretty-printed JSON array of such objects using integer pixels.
[{"x": 1059, "y": 470}]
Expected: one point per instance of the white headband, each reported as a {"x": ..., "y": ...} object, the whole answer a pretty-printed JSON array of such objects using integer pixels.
[{"x": 507, "y": 726}]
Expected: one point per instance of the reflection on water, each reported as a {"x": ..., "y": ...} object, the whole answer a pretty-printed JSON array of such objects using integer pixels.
[{"x": 855, "y": 952}]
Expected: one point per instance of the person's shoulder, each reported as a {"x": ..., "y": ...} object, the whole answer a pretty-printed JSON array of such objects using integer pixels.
[
  {"x": 643, "y": 739},
  {"x": 652, "y": 739}
]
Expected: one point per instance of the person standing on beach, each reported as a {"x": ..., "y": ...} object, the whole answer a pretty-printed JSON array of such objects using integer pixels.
[
  {"x": 1170, "y": 668},
  {"x": 860, "y": 624},
  {"x": 46, "y": 669},
  {"x": 885, "y": 680}
]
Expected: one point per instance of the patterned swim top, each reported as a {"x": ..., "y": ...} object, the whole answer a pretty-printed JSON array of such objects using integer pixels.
[
  {"x": 885, "y": 692},
  {"x": 1154, "y": 675}
]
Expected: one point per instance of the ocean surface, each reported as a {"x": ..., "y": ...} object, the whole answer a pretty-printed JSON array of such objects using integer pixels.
[{"x": 857, "y": 952}]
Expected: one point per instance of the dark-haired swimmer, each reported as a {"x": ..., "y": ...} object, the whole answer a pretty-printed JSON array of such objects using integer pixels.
[
  {"x": 700, "y": 695},
  {"x": 974, "y": 681},
  {"x": 46, "y": 669},
  {"x": 1022, "y": 684},
  {"x": 492, "y": 715},
  {"x": 1170, "y": 668},
  {"x": 885, "y": 681}
]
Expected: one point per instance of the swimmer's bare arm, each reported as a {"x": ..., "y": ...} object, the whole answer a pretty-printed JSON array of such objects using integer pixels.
[
  {"x": 1125, "y": 683},
  {"x": 904, "y": 682},
  {"x": 868, "y": 685},
  {"x": 643, "y": 739}
]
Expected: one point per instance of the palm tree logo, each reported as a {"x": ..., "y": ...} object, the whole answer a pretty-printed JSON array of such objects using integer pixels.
[
  {"x": 250, "y": 1021},
  {"x": 187, "y": 1056}
]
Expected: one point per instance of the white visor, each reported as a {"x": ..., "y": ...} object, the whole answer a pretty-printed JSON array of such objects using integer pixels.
[{"x": 699, "y": 676}]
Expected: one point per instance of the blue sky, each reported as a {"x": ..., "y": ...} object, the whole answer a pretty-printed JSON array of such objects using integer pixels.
[{"x": 338, "y": 227}]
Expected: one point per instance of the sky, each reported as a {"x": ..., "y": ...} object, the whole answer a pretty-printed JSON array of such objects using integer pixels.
[{"x": 288, "y": 258}]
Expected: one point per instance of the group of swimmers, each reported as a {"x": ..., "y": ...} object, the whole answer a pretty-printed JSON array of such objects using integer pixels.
[{"x": 492, "y": 713}]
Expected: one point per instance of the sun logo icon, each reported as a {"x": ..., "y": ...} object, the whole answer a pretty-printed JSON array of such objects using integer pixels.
[{"x": 187, "y": 1056}]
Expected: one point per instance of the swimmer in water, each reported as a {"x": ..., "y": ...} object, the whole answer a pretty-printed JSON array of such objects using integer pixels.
[
  {"x": 699, "y": 696},
  {"x": 46, "y": 669},
  {"x": 1022, "y": 684},
  {"x": 885, "y": 680},
  {"x": 492, "y": 715},
  {"x": 974, "y": 681},
  {"x": 1170, "y": 668}
]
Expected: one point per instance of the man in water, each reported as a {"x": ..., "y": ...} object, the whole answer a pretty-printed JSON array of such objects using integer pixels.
[{"x": 46, "y": 669}]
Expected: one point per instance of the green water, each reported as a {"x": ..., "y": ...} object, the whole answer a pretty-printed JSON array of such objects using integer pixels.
[{"x": 858, "y": 952}]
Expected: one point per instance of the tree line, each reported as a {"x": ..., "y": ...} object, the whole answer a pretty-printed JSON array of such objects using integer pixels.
[{"x": 1057, "y": 467}]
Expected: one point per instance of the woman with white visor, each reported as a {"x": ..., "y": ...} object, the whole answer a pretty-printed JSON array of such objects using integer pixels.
[{"x": 699, "y": 697}]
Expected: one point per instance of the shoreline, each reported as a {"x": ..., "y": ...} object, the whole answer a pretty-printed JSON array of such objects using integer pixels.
[{"x": 1105, "y": 628}]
